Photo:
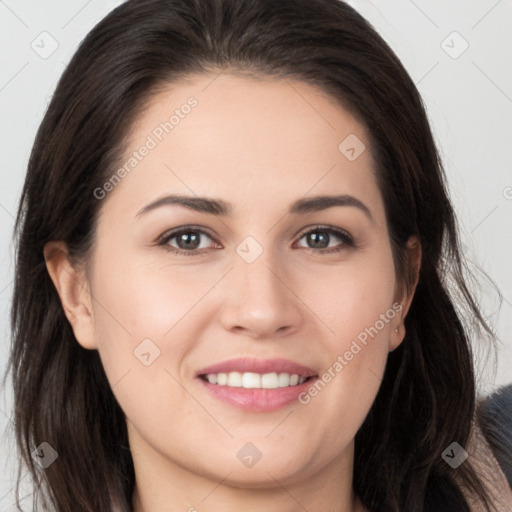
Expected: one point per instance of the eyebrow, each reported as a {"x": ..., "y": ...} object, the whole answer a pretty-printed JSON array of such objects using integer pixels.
[{"x": 219, "y": 207}]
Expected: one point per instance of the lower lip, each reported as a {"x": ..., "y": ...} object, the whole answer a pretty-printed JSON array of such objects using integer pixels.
[{"x": 258, "y": 400}]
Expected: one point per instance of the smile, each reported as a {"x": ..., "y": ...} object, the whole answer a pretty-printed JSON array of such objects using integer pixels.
[{"x": 257, "y": 385}]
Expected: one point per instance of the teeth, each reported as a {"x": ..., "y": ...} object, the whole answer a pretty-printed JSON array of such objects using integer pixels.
[
  {"x": 269, "y": 381},
  {"x": 235, "y": 380},
  {"x": 249, "y": 380}
]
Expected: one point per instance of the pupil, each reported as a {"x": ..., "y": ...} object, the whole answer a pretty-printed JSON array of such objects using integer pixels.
[
  {"x": 187, "y": 237},
  {"x": 316, "y": 239}
]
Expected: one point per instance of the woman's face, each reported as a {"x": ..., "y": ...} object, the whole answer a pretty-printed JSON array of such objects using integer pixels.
[{"x": 269, "y": 287}]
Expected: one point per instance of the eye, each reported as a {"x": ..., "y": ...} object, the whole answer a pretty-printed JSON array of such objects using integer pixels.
[
  {"x": 188, "y": 241},
  {"x": 320, "y": 236}
]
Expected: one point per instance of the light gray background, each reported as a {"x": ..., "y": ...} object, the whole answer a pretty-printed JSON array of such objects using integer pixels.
[{"x": 468, "y": 97}]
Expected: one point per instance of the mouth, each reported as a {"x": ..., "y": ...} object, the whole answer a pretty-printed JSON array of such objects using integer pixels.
[{"x": 257, "y": 385}]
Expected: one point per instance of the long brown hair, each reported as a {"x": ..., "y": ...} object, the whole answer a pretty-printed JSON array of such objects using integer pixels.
[{"x": 62, "y": 396}]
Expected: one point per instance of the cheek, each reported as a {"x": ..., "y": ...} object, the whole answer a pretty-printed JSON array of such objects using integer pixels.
[
  {"x": 147, "y": 321},
  {"x": 359, "y": 308},
  {"x": 139, "y": 300},
  {"x": 353, "y": 297}
]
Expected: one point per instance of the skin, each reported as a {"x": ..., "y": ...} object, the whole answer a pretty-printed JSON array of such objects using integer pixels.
[{"x": 259, "y": 145}]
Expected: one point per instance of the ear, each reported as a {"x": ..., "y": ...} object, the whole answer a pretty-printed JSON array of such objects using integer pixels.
[
  {"x": 73, "y": 289},
  {"x": 405, "y": 298}
]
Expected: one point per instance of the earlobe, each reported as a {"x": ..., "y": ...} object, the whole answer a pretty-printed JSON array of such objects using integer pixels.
[
  {"x": 397, "y": 336},
  {"x": 414, "y": 265},
  {"x": 73, "y": 290}
]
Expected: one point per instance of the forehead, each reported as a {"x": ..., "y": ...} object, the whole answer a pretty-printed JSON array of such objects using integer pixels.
[{"x": 247, "y": 139}]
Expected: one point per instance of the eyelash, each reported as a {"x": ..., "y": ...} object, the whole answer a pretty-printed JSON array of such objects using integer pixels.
[{"x": 347, "y": 240}]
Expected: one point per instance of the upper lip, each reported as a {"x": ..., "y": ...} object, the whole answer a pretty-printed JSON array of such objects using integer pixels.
[{"x": 262, "y": 366}]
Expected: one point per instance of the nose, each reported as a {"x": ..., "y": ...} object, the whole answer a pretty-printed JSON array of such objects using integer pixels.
[{"x": 260, "y": 301}]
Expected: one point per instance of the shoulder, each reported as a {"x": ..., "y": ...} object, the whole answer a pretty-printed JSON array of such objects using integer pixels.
[
  {"x": 494, "y": 416},
  {"x": 490, "y": 447}
]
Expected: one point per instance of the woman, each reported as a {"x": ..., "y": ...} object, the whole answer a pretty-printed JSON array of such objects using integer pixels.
[{"x": 264, "y": 370}]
